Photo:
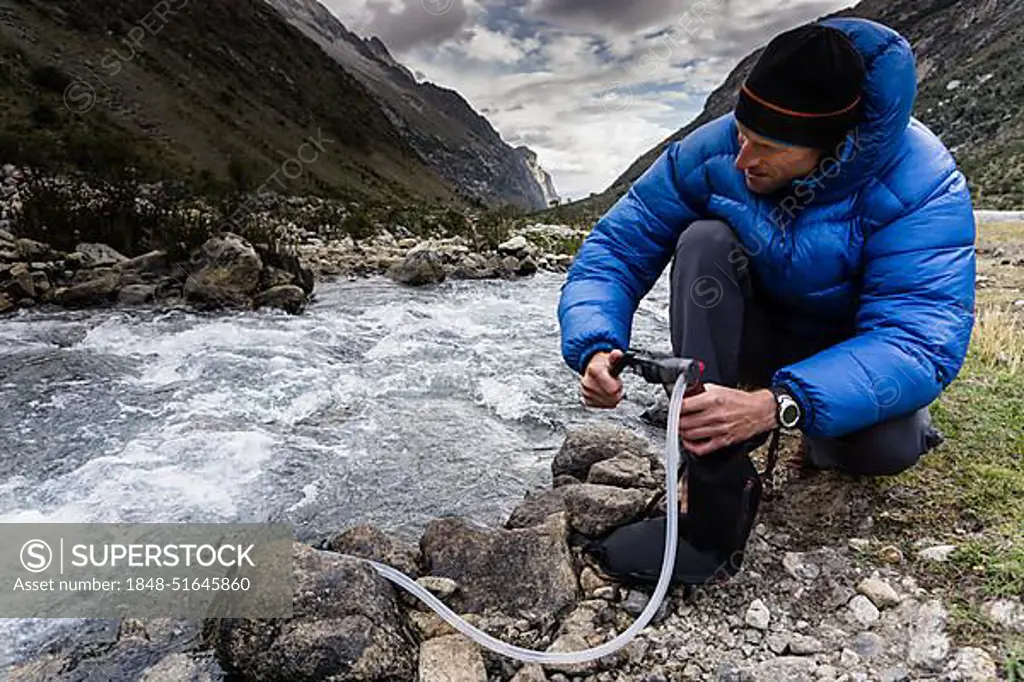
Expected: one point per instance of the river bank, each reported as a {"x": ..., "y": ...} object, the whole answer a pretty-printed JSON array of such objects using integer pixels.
[
  {"x": 851, "y": 609},
  {"x": 228, "y": 271}
]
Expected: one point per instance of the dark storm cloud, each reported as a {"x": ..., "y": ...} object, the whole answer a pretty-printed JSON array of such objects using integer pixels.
[
  {"x": 736, "y": 39},
  {"x": 616, "y": 14},
  {"x": 419, "y": 22}
]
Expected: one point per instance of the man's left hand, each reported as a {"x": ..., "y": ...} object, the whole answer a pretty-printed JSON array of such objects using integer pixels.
[{"x": 723, "y": 416}]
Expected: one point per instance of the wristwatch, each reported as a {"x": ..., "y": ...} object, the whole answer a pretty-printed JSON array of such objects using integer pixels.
[{"x": 788, "y": 411}]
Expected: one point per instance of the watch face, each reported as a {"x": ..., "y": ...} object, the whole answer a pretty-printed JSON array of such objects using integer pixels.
[{"x": 790, "y": 414}]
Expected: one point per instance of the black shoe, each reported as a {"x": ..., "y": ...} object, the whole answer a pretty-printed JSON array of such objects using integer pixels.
[
  {"x": 632, "y": 555},
  {"x": 724, "y": 493}
]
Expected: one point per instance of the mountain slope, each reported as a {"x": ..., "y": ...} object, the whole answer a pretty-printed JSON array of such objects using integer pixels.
[
  {"x": 453, "y": 139},
  {"x": 971, "y": 91},
  {"x": 204, "y": 85}
]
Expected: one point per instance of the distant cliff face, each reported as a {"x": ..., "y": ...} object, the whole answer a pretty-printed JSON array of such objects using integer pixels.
[
  {"x": 970, "y": 90},
  {"x": 454, "y": 140},
  {"x": 542, "y": 177}
]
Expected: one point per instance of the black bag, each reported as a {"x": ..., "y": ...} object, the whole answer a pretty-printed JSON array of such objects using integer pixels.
[{"x": 724, "y": 493}]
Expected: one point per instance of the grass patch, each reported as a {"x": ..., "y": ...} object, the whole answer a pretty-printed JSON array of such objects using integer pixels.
[
  {"x": 993, "y": 233},
  {"x": 1015, "y": 666},
  {"x": 973, "y": 486},
  {"x": 970, "y": 491}
]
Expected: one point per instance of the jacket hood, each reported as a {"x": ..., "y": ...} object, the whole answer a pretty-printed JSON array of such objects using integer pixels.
[{"x": 890, "y": 89}]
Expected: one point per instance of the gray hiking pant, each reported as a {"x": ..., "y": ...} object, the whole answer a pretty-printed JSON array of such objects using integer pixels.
[{"x": 718, "y": 316}]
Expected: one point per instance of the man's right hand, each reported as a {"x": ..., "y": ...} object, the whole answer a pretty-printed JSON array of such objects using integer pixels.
[{"x": 597, "y": 386}]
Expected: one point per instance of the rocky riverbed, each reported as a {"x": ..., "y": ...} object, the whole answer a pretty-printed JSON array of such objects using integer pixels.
[
  {"x": 226, "y": 271},
  {"x": 415, "y": 261},
  {"x": 229, "y": 271},
  {"x": 843, "y": 611},
  {"x": 291, "y": 242}
]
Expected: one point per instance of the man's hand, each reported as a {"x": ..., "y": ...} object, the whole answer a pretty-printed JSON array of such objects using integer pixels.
[
  {"x": 723, "y": 416},
  {"x": 597, "y": 386}
]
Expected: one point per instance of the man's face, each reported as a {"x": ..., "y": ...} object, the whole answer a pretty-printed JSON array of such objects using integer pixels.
[{"x": 768, "y": 165}]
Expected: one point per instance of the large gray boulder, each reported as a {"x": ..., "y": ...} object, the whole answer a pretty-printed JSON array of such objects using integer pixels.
[
  {"x": 473, "y": 266},
  {"x": 536, "y": 507},
  {"x": 274, "y": 277},
  {"x": 287, "y": 297},
  {"x": 527, "y": 267},
  {"x": 41, "y": 284},
  {"x": 20, "y": 284},
  {"x": 100, "y": 255},
  {"x": 137, "y": 294},
  {"x": 346, "y": 625},
  {"x": 94, "y": 291},
  {"x": 584, "y": 447},
  {"x": 155, "y": 263},
  {"x": 623, "y": 472},
  {"x": 225, "y": 272},
  {"x": 31, "y": 250},
  {"x": 524, "y": 573},
  {"x": 369, "y": 542},
  {"x": 420, "y": 267},
  {"x": 284, "y": 262},
  {"x": 597, "y": 509},
  {"x": 516, "y": 246}
]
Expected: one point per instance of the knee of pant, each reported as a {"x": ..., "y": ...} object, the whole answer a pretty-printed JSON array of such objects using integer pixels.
[
  {"x": 707, "y": 238},
  {"x": 892, "y": 459}
]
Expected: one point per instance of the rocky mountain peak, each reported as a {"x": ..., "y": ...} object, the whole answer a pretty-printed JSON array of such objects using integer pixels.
[{"x": 453, "y": 139}]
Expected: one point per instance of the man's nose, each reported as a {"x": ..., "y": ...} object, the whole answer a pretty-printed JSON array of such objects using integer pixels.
[{"x": 746, "y": 158}]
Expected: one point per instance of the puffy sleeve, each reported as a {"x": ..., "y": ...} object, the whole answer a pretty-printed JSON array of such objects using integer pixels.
[
  {"x": 913, "y": 325},
  {"x": 627, "y": 250}
]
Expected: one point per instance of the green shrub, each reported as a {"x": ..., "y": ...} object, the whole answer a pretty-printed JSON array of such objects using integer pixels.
[
  {"x": 118, "y": 215},
  {"x": 453, "y": 223},
  {"x": 358, "y": 226}
]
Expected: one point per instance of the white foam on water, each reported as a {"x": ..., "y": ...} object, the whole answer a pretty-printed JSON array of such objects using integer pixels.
[
  {"x": 176, "y": 477},
  {"x": 25, "y": 330},
  {"x": 174, "y": 356},
  {"x": 510, "y": 397},
  {"x": 310, "y": 493}
]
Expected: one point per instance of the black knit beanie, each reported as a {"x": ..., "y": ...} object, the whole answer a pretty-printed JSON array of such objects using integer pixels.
[{"x": 805, "y": 89}]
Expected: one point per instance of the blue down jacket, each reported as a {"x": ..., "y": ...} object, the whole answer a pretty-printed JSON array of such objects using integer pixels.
[{"x": 879, "y": 247}]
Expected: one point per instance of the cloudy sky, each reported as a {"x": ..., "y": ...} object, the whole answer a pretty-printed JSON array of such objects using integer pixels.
[{"x": 587, "y": 84}]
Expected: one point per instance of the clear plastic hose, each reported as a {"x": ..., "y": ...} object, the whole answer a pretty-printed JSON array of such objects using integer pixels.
[{"x": 586, "y": 655}]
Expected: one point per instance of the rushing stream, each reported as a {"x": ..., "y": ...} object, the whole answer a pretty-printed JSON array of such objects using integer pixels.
[{"x": 381, "y": 404}]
